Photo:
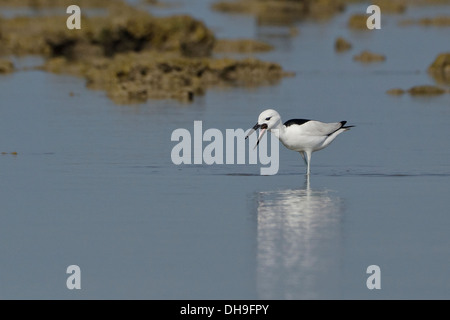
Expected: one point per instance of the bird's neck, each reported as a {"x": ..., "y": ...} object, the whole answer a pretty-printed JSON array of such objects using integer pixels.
[{"x": 278, "y": 130}]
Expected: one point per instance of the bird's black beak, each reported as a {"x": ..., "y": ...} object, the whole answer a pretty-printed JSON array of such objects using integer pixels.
[{"x": 255, "y": 127}]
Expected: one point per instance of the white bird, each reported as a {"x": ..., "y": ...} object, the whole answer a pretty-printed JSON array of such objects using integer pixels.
[{"x": 301, "y": 135}]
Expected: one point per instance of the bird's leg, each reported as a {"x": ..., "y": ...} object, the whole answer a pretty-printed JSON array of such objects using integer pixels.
[
  {"x": 303, "y": 156},
  {"x": 308, "y": 155}
]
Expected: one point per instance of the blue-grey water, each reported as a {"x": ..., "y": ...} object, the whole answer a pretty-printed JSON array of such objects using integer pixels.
[{"x": 93, "y": 183}]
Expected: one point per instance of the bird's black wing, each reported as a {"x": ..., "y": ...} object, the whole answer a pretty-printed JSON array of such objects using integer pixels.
[{"x": 295, "y": 121}]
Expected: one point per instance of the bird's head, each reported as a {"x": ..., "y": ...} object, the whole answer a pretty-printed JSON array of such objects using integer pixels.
[{"x": 267, "y": 120}]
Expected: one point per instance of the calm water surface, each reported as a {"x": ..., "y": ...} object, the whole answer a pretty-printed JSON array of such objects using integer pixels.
[{"x": 93, "y": 183}]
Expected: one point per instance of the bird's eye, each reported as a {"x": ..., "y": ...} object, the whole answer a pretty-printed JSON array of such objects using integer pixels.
[{"x": 268, "y": 118}]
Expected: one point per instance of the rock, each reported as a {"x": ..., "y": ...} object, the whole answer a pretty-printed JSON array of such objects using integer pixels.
[
  {"x": 358, "y": 21},
  {"x": 279, "y": 12},
  {"x": 136, "y": 77},
  {"x": 140, "y": 31},
  {"x": 282, "y": 11},
  {"x": 38, "y": 4},
  {"x": 440, "y": 68},
  {"x": 441, "y": 21},
  {"x": 134, "y": 56},
  {"x": 441, "y": 63},
  {"x": 395, "y": 92},
  {"x": 6, "y": 66},
  {"x": 324, "y": 9},
  {"x": 391, "y": 6},
  {"x": 426, "y": 90},
  {"x": 233, "y": 7},
  {"x": 128, "y": 30},
  {"x": 342, "y": 45},
  {"x": 196, "y": 39},
  {"x": 368, "y": 57},
  {"x": 241, "y": 46}
]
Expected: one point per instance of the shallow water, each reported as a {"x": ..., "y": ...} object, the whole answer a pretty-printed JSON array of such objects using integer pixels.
[{"x": 93, "y": 183}]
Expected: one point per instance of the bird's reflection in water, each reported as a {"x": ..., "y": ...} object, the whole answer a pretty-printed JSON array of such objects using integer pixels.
[{"x": 298, "y": 243}]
